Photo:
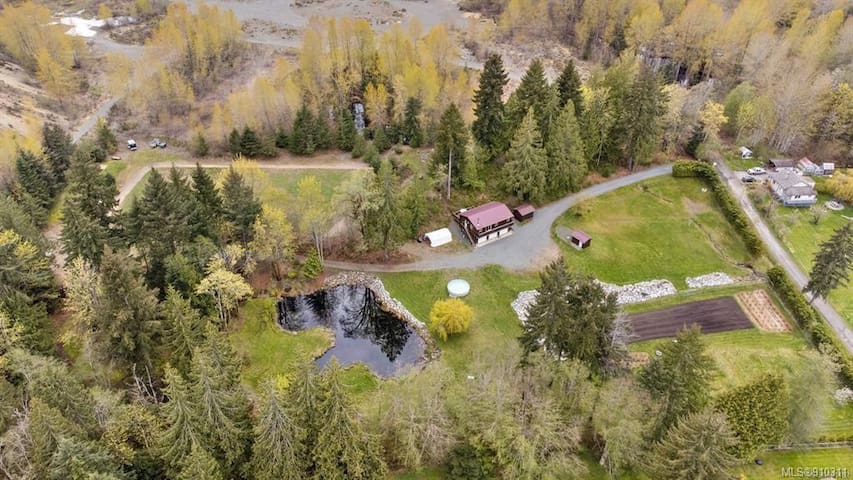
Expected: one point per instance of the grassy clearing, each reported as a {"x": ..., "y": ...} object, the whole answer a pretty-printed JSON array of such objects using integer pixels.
[
  {"x": 663, "y": 228},
  {"x": 268, "y": 351},
  {"x": 774, "y": 462},
  {"x": 736, "y": 163},
  {"x": 115, "y": 167},
  {"x": 803, "y": 238},
  {"x": 492, "y": 289}
]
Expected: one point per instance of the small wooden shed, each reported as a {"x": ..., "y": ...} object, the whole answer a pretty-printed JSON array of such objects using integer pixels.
[
  {"x": 579, "y": 239},
  {"x": 523, "y": 212}
]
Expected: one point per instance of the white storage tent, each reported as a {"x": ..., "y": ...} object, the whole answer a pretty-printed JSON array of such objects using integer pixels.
[{"x": 439, "y": 237}]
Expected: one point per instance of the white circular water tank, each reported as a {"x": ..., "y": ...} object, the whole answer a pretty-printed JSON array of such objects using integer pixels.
[{"x": 458, "y": 288}]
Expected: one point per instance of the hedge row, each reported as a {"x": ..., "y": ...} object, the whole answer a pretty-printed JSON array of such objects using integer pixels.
[
  {"x": 733, "y": 212},
  {"x": 809, "y": 320}
]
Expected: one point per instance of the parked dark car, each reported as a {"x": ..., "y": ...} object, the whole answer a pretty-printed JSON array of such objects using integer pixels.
[{"x": 748, "y": 179}]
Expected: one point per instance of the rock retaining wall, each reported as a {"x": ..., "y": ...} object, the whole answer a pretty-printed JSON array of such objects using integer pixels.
[
  {"x": 709, "y": 280},
  {"x": 388, "y": 303}
]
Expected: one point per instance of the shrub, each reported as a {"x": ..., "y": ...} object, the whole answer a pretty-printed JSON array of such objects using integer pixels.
[
  {"x": 450, "y": 316},
  {"x": 821, "y": 336},
  {"x": 359, "y": 146},
  {"x": 727, "y": 203},
  {"x": 841, "y": 186}
]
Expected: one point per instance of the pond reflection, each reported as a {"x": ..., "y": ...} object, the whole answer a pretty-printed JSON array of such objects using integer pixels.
[{"x": 364, "y": 332}]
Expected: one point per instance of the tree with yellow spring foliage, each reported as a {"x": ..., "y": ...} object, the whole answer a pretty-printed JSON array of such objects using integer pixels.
[{"x": 450, "y": 316}]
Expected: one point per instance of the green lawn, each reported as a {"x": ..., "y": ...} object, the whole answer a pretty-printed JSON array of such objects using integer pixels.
[
  {"x": 663, "y": 228},
  {"x": 492, "y": 290},
  {"x": 774, "y": 462},
  {"x": 268, "y": 351},
  {"x": 734, "y": 161},
  {"x": 115, "y": 167},
  {"x": 803, "y": 238}
]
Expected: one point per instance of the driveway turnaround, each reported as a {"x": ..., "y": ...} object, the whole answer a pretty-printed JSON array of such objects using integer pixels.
[{"x": 527, "y": 248}]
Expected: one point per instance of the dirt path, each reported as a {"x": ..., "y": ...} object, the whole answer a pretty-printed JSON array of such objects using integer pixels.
[{"x": 779, "y": 254}]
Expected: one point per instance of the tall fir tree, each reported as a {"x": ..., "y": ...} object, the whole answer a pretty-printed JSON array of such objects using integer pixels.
[
  {"x": 572, "y": 317},
  {"x": 189, "y": 211},
  {"x": 411, "y": 130},
  {"x": 105, "y": 139},
  {"x": 81, "y": 236},
  {"x": 757, "y": 413},
  {"x": 533, "y": 92},
  {"x": 679, "y": 378},
  {"x": 183, "y": 330},
  {"x": 451, "y": 141},
  {"x": 58, "y": 149},
  {"x": 381, "y": 140},
  {"x": 234, "y": 138},
  {"x": 488, "y": 128},
  {"x": 345, "y": 130},
  {"x": 526, "y": 170},
  {"x": 343, "y": 449},
  {"x": 126, "y": 322},
  {"x": 302, "y": 138},
  {"x": 642, "y": 118},
  {"x": 569, "y": 88},
  {"x": 240, "y": 208},
  {"x": 277, "y": 453},
  {"x": 46, "y": 427},
  {"x": 96, "y": 190},
  {"x": 696, "y": 447},
  {"x": 567, "y": 164},
  {"x": 208, "y": 200},
  {"x": 322, "y": 133},
  {"x": 34, "y": 178},
  {"x": 384, "y": 226},
  {"x": 303, "y": 397},
  {"x": 80, "y": 458},
  {"x": 181, "y": 418},
  {"x": 200, "y": 148},
  {"x": 833, "y": 263}
]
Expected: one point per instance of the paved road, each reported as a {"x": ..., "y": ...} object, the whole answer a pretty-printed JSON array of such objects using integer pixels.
[
  {"x": 529, "y": 247},
  {"x": 778, "y": 252}
]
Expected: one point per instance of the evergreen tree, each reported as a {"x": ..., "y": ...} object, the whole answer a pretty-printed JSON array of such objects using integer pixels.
[
  {"x": 302, "y": 141},
  {"x": 222, "y": 404},
  {"x": 208, "y": 200},
  {"x": 302, "y": 398},
  {"x": 199, "y": 465},
  {"x": 372, "y": 158},
  {"x": 346, "y": 132},
  {"x": 411, "y": 131},
  {"x": 416, "y": 207},
  {"x": 566, "y": 158},
  {"x": 572, "y": 317},
  {"x": 380, "y": 139},
  {"x": 343, "y": 450},
  {"x": 126, "y": 320},
  {"x": 488, "y": 128},
  {"x": 533, "y": 92},
  {"x": 313, "y": 266},
  {"x": 234, "y": 142},
  {"x": 322, "y": 133},
  {"x": 281, "y": 138},
  {"x": 82, "y": 236},
  {"x": 359, "y": 146},
  {"x": 642, "y": 117},
  {"x": 526, "y": 169},
  {"x": 34, "y": 178},
  {"x": 697, "y": 447},
  {"x": 240, "y": 208},
  {"x": 46, "y": 427},
  {"x": 94, "y": 190},
  {"x": 183, "y": 330},
  {"x": 833, "y": 263},
  {"x": 181, "y": 417},
  {"x": 451, "y": 140},
  {"x": 569, "y": 88},
  {"x": 30, "y": 321},
  {"x": 277, "y": 453},
  {"x": 757, "y": 414},
  {"x": 188, "y": 210},
  {"x": 200, "y": 146},
  {"x": 384, "y": 227},
  {"x": 77, "y": 458},
  {"x": 58, "y": 149},
  {"x": 250, "y": 144},
  {"x": 14, "y": 218},
  {"x": 679, "y": 379},
  {"x": 105, "y": 139}
]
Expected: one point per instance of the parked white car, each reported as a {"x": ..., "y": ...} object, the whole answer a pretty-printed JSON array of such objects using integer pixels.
[
  {"x": 131, "y": 144},
  {"x": 756, "y": 171}
]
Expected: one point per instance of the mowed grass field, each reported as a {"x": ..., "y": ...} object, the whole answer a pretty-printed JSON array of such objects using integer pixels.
[
  {"x": 284, "y": 183},
  {"x": 803, "y": 238},
  {"x": 663, "y": 228}
]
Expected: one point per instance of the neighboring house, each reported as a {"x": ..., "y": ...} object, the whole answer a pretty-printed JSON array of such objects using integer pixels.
[
  {"x": 793, "y": 190},
  {"x": 828, "y": 168},
  {"x": 782, "y": 164},
  {"x": 745, "y": 152},
  {"x": 808, "y": 167},
  {"x": 485, "y": 223}
]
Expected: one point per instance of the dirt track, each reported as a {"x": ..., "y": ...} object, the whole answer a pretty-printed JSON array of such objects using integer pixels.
[{"x": 713, "y": 316}]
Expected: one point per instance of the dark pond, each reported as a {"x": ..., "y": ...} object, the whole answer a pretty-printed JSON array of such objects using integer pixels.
[{"x": 363, "y": 331}]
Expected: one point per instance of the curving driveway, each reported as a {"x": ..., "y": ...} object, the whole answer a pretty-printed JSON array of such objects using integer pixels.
[{"x": 529, "y": 247}]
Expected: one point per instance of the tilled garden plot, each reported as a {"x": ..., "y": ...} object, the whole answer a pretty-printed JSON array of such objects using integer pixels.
[{"x": 716, "y": 315}]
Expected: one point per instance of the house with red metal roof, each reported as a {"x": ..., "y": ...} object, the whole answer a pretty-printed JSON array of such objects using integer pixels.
[{"x": 486, "y": 223}]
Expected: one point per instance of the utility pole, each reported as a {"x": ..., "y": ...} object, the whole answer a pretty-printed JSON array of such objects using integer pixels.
[{"x": 449, "y": 170}]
